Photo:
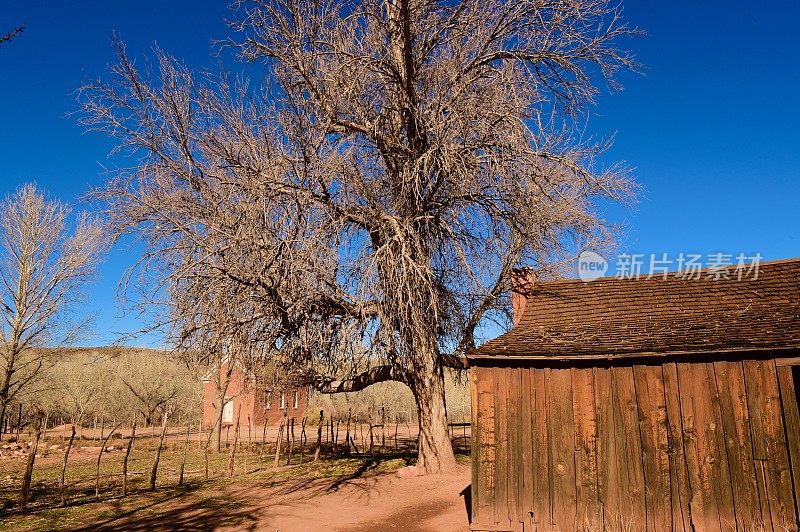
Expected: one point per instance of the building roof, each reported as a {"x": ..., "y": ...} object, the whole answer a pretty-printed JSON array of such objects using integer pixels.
[{"x": 613, "y": 318}]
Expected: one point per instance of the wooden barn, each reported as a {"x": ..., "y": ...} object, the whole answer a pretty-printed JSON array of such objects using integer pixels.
[{"x": 643, "y": 404}]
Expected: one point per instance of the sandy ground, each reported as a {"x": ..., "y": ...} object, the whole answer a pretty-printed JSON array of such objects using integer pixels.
[
  {"x": 358, "y": 504},
  {"x": 384, "y": 502}
]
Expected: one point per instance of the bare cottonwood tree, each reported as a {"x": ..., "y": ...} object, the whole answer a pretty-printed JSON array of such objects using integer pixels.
[
  {"x": 154, "y": 390},
  {"x": 364, "y": 208},
  {"x": 45, "y": 262},
  {"x": 79, "y": 383}
]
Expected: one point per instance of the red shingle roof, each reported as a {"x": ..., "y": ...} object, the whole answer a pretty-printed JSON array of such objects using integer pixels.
[{"x": 609, "y": 317}]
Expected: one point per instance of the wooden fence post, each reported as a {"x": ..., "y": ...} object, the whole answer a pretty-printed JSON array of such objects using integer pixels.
[
  {"x": 125, "y": 459},
  {"x": 99, "y": 456},
  {"x": 26, "y": 479},
  {"x": 347, "y": 432},
  {"x": 278, "y": 442},
  {"x": 154, "y": 471},
  {"x": 232, "y": 453},
  {"x": 248, "y": 447},
  {"x": 290, "y": 443},
  {"x": 371, "y": 439},
  {"x": 44, "y": 435},
  {"x": 183, "y": 459},
  {"x": 383, "y": 429},
  {"x": 263, "y": 440},
  {"x": 319, "y": 436},
  {"x": 64, "y": 468},
  {"x": 303, "y": 438}
]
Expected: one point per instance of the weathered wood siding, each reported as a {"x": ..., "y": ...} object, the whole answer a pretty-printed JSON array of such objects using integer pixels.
[{"x": 676, "y": 446}]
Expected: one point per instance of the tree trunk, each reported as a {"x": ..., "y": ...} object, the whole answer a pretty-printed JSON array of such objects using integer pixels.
[
  {"x": 425, "y": 378},
  {"x": 221, "y": 383},
  {"x": 26, "y": 479},
  {"x": 64, "y": 468},
  {"x": 435, "y": 453},
  {"x": 4, "y": 393}
]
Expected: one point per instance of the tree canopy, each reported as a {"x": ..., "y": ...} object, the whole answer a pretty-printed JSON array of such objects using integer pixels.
[{"x": 359, "y": 211}]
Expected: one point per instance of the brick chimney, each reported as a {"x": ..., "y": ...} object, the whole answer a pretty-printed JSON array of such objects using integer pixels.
[{"x": 522, "y": 281}]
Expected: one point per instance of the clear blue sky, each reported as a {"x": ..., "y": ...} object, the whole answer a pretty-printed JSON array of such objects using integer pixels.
[{"x": 711, "y": 127}]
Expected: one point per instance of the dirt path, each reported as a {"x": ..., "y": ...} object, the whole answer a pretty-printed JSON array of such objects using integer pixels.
[
  {"x": 354, "y": 504},
  {"x": 383, "y": 502}
]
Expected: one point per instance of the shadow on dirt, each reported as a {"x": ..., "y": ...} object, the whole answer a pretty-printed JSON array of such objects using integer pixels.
[
  {"x": 232, "y": 507},
  {"x": 203, "y": 514}
]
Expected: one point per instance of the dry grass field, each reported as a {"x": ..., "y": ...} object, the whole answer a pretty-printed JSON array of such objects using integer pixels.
[{"x": 337, "y": 492}]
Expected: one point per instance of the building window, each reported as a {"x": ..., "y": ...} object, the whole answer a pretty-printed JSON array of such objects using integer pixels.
[
  {"x": 296, "y": 400},
  {"x": 283, "y": 401},
  {"x": 269, "y": 401},
  {"x": 227, "y": 411}
]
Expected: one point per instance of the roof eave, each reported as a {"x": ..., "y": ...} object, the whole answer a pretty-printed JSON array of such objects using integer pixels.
[{"x": 631, "y": 355}]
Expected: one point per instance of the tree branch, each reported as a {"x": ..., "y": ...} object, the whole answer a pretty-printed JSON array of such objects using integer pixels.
[
  {"x": 368, "y": 378},
  {"x": 12, "y": 34}
]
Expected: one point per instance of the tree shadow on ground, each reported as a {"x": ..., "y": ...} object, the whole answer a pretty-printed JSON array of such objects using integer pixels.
[
  {"x": 199, "y": 514},
  {"x": 234, "y": 506},
  {"x": 371, "y": 463}
]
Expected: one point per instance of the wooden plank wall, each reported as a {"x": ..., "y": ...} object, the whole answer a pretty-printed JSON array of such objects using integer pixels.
[{"x": 676, "y": 446}]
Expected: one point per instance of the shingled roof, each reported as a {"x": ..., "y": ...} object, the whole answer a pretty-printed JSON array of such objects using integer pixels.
[{"x": 613, "y": 318}]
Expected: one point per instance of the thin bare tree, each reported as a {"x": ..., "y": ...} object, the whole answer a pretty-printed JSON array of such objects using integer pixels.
[
  {"x": 361, "y": 216},
  {"x": 44, "y": 266}
]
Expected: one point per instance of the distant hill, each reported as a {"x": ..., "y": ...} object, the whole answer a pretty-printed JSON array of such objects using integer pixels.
[{"x": 108, "y": 351}]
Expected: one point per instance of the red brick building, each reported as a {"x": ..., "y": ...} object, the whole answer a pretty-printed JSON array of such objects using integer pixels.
[{"x": 259, "y": 402}]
